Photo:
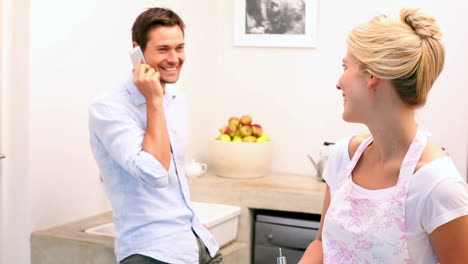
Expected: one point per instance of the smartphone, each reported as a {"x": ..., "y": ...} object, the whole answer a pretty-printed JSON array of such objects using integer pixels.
[{"x": 136, "y": 53}]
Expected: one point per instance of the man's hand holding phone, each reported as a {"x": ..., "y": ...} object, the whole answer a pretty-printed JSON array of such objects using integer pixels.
[{"x": 146, "y": 78}]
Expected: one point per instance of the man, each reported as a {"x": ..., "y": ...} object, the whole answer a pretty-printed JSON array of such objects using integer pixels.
[{"x": 138, "y": 137}]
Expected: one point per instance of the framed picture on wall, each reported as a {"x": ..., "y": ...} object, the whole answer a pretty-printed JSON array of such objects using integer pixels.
[{"x": 275, "y": 23}]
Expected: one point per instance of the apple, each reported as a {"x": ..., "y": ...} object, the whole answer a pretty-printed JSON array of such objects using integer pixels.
[
  {"x": 257, "y": 130},
  {"x": 245, "y": 131},
  {"x": 246, "y": 120},
  {"x": 234, "y": 121},
  {"x": 263, "y": 138},
  {"x": 236, "y": 139},
  {"x": 249, "y": 139},
  {"x": 230, "y": 130},
  {"x": 224, "y": 137},
  {"x": 223, "y": 129}
]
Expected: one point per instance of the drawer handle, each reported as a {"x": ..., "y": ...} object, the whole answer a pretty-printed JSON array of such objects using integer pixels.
[{"x": 2, "y": 156}]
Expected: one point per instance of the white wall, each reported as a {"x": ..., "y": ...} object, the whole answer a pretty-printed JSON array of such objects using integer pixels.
[
  {"x": 15, "y": 191},
  {"x": 65, "y": 51}
]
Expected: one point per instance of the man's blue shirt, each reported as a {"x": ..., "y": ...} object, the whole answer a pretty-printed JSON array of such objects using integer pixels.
[{"x": 151, "y": 206}]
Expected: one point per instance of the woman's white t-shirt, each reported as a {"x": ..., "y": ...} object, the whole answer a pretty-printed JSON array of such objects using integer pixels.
[{"x": 437, "y": 194}]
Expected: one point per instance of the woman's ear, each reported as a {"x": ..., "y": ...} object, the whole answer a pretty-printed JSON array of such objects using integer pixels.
[
  {"x": 373, "y": 82},
  {"x": 135, "y": 44}
]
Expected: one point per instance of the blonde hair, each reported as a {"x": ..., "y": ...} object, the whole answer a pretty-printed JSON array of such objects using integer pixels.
[{"x": 409, "y": 52}]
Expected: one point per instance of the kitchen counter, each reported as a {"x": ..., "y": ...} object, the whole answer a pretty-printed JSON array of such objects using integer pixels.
[
  {"x": 68, "y": 244},
  {"x": 276, "y": 191}
]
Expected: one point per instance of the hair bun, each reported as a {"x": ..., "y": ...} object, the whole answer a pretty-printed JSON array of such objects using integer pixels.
[{"x": 423, "y": 25}]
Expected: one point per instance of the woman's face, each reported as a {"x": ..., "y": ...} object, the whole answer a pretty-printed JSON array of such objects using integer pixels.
[{"x": 354, "y": 85}]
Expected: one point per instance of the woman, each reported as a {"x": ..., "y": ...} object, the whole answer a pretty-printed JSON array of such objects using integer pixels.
[{"x": 392, "y": 196}]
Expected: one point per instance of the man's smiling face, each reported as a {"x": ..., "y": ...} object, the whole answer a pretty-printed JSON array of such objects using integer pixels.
[{"x": 165, "y": 52}]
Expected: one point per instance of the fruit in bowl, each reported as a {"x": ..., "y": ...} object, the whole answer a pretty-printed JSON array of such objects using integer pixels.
[
  {"x": 241, "y": 150},
  {"x": 242, "y": 130}
]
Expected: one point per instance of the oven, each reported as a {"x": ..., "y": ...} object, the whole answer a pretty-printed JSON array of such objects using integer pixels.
[{"x": 292, "y": 232}]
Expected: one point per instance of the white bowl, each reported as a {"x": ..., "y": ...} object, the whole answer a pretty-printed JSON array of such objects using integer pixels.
[{"x": 240, "y": 159}]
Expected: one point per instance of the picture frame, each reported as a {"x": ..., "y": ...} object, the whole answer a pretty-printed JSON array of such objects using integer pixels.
[{"x": 275, "y": 23}]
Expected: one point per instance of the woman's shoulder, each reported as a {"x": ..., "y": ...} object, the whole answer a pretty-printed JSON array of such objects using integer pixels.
[
  {"x": 354, "y": 143},
  {"x": 437, "y": 178},
  {"x": 440, "y": 191},
  {"x": 431, "y": 153},
  {"x": 436, "y": 167},
  {"x": 337, "y": 161},
  {"x": 345, "y": 148}
]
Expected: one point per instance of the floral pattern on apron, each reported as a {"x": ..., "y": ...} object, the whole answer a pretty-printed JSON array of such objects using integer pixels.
[{"x": 363, "y": 229}]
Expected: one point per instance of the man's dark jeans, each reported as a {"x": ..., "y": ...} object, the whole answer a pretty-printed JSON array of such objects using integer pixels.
[{"x": 204, "y": 257}]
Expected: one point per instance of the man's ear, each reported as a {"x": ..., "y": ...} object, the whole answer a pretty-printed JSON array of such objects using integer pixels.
[{"x": 373, "y": 82}]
